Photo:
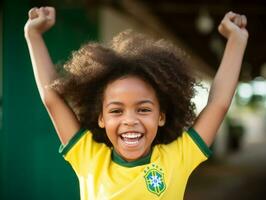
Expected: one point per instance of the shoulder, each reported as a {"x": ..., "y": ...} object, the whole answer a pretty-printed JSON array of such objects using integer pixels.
[
  {"x": 81, "y": 142},
  {"x": 78, "y": 137},
  {"x": 189, "y": 141}
]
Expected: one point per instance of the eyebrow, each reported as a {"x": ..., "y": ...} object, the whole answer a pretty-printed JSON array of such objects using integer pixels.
[{"x": 138, "y": 103}]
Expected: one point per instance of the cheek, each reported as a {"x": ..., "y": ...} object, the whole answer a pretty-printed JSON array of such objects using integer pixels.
[
  {"x": 111, "y": 125},
  {"x": 152, "y": 120},
  {"x": 151, "y": 125}
]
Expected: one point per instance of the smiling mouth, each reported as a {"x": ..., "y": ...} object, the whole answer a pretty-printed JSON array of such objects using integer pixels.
[{"x": 131, "y": 138}]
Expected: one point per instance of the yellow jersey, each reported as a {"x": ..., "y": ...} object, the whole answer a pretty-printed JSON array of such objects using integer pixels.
[{"x": 163, "y": 174}]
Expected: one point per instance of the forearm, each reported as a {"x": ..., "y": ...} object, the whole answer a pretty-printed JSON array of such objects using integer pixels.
[
  {"x": 226, "y": 79},
  {"x": 43, "y": 68},
  {"x": 232, "y": 27}
]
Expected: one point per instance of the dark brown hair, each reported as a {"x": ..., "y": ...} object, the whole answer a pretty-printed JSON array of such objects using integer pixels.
[{"x": 157, "y": 62}]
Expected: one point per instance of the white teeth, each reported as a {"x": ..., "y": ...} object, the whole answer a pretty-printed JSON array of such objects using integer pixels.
[
  {"x": 131, "y": 143},
  {"x": 131, "y": 135},
  {"x": 131, "y": 138}
]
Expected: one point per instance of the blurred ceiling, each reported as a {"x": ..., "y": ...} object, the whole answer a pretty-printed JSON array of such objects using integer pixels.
[{"x": 193, "y": 24}]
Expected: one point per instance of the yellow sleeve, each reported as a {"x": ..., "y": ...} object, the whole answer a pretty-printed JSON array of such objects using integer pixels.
[
  {"x": 193, "y": 150},
  {"x": 80, "y": 151}
]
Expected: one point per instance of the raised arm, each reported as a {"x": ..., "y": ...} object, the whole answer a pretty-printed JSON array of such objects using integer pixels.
[
  {"x": 232, "y": 27},
  {"x": 63, "y": 118}
]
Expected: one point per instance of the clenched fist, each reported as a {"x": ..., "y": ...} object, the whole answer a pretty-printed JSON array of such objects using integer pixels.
[
  {"x": 40, "y": 20},
  {"x": 234, "y": 24}
]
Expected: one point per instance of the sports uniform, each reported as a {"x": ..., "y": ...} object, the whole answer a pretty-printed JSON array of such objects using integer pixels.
[{"x": 162, "y": 174}]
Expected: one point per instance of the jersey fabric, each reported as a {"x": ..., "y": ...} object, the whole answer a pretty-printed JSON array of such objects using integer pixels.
[{"x": 163, "y": 174}]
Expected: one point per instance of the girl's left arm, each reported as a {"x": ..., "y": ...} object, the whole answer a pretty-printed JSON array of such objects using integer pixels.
[{"x": 232, "y": 27}]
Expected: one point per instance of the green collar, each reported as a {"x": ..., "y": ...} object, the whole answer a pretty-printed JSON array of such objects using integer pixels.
[{"x": 119, "y": 160}]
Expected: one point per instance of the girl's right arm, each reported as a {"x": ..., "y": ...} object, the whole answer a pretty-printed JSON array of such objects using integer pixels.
[{"x": 62, "y": 116}]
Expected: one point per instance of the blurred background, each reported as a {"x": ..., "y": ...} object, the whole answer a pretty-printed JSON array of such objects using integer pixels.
[{"x": 30, "y": 165}]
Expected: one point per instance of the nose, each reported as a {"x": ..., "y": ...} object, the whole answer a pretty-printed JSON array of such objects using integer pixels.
[{"x": 130, "y": 120}]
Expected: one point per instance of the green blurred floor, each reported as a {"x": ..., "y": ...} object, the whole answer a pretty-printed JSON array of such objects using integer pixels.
[{"x": 241, "y": 175}]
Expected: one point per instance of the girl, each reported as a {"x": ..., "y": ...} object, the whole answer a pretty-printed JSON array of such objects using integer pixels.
[{"x": 124, "y": 113}]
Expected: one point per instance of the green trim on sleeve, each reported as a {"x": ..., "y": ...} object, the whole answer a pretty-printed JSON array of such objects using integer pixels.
[
  {"x": 63, "y": 149},
  {"x": 199, "y": 141}
]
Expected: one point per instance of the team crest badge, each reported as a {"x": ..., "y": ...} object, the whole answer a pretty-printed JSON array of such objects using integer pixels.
[{"x": 154, "y": 179}]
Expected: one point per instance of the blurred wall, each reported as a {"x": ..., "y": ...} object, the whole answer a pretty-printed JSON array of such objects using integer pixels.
[
  {"x": 1, "y": 58},
  {"x": 1, "y": 66},
  {"x": 112, "y": 22},
  {"x": 31, "y": 167}
]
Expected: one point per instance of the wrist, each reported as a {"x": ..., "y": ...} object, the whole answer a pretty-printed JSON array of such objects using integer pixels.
[
  {"x": 240, "y": 37},
  {"x": 31, "y": 33}
]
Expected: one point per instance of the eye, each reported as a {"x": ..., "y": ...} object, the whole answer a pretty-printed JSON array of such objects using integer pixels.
[
  {"x": 116, "y": 111},
  {"x": 144, "y": 110}
]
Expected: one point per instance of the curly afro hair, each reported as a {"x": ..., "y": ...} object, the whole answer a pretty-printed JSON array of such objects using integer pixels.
[{"x": 157, "y": 62}]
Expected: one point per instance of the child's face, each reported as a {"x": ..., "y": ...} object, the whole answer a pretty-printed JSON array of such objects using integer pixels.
[{"x": 131, "y": 116}]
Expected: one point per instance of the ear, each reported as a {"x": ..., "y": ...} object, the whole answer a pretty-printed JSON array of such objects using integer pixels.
[
  {"x": 100, "y": 121},
  {"x": 161, "y": 119}
]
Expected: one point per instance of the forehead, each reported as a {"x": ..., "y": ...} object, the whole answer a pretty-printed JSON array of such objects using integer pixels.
[{"x": 129, "y": 88}]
